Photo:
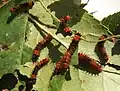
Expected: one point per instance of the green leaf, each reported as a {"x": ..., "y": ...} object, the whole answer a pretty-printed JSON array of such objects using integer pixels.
[
  {"x": 11, "y": 34},
  {"x": 26, "y": 54},
  {"x": 112, "y": 21},
  {"x": 72, "y": 85},
  {"x": 56, "y": 83},
  {"x": 89, "y": 25},
  {"x": 19, "y": 51}
]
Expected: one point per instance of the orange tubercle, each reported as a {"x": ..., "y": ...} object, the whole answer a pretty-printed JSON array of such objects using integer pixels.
[{"x": 37, "y": 52}]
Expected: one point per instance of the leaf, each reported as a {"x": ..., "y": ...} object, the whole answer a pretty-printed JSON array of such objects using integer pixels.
[
  {"x": 70, "y": 85},
  {"x": 44, "y": 77},
  {"x": 112, "y": 76},
  {"x": 89, "y": 25},
  {"x": 26, "y": 54},
  {"x": 20, "y": 51},
  {"x": 112, "y": 22},
  {"x": 91, "y": 29},
  {"x": 12, "y": 35},
  {"x": 41, "y": 13},
  {"x": 56, "y": 84}
]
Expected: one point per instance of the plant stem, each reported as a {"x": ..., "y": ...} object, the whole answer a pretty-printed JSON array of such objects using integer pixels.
[
  {"x": 46, "y": 31},
  {"x": 110, "y": 37}
]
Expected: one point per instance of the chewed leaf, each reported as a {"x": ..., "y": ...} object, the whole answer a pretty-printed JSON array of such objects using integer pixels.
[{"x": 22, "y": 35}]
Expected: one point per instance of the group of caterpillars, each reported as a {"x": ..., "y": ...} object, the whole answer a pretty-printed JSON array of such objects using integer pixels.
[
  {"x": 62, "y": 65},
  {"x": 84, "y": 61}
]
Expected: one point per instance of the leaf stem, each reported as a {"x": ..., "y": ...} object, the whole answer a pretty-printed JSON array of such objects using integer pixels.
[
  {"x": 46, "y": 31},
  {"x": 110, "y": 37}
]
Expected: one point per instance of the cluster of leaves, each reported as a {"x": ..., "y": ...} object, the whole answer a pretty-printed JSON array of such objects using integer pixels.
[{"x": 22, "y": 33}]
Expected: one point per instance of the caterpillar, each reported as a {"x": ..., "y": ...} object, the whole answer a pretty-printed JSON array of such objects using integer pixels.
[
  {"x": 67, "y": 30},
  {"x": 32, "y": 80},
  {"x": 63, "y": 64},
  {"x": 42, "y": 44},
  {"x": 22, "y": 7},
  {"x": 101, "y": 51},
  {"x": 63, "y": 23},
  {"x": 64, "y": 19},
  {"x": 88, "y": 63},
  {"x": 38, "y": 66}
]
